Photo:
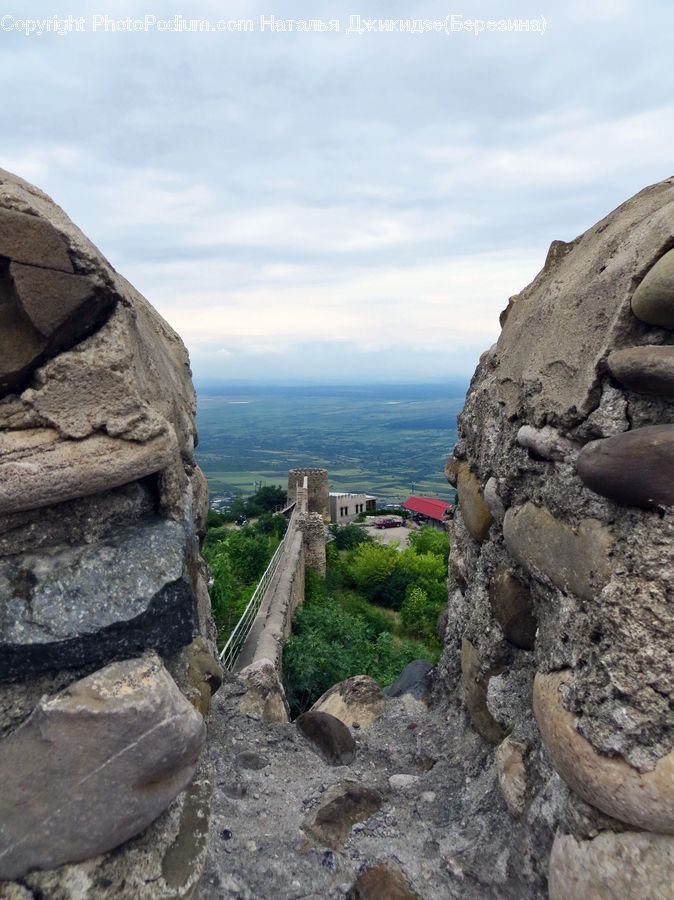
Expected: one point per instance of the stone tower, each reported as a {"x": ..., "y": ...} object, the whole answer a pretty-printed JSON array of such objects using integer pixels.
[{"x": 317, "y": 481}]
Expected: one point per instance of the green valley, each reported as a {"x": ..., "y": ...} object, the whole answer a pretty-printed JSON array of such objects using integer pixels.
[{"x": 388, "y": 440}]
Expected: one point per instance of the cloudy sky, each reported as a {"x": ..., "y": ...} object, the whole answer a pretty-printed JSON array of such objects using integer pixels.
[{"x": 331, "y": 204}]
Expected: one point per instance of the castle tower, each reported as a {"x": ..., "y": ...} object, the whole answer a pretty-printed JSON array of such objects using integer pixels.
[{"x": 317, "y": 483}]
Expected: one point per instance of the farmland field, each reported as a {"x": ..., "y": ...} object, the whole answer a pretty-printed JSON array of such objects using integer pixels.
[{"x": 387, "y": 440}]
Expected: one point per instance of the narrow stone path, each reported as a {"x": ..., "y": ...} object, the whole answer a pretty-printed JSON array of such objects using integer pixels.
[{"x": 440, "y": 797}]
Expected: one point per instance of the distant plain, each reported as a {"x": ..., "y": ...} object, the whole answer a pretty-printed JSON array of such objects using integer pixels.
[{"x": 385, "y": 439}]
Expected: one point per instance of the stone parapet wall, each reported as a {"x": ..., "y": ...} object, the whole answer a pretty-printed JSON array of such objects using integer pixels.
[
  {"x": 260, "y": 662},
  {"x": 560, "y": 626},
  {"x": 274, "y": 619},
  {"x": 304, "y": 548},
  {"x": 106, "y": 638}
]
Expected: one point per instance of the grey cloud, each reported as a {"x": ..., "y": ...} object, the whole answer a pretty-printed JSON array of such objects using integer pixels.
[{"x": 398, "y": 128}]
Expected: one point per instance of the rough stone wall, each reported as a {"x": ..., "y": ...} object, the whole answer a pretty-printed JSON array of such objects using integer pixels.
[
  {"x": 317, "y": 482},
  {"x": 260, "y": 662},
  {"x": 313, "y": 537},
  {"x": 102, "y": 589},
  {"x": 559, "y": 635},
  {"x": 274, "y": 619}
]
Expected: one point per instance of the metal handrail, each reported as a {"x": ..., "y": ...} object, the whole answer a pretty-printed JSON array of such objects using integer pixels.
[{"x": 237, "y": 638}]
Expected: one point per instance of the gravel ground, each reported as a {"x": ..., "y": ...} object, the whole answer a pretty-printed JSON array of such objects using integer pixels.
[
  {"x": 432, "y": 825},
  {"x": 388, "y": 535}
]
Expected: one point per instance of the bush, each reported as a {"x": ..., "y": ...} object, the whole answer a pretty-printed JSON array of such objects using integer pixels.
[
  {"x": 379, "y": 620},
  {"x": 248, "y": 554},
  {"x": 325, "y": 646},
  {"x": 430, "y": 540},
  {"x": 338, "y": 632},
  {"x": 213, "y": 537},
  {"x": 392, "y": 655},
  {"x": 330, "y": 644},
  {"x": 426, "y": 571},
  {"x": 267, "y": 498},
  {"x": 237, "y": 559},
  {"x": 419, "y": 616},
  {"x": 346, "y": 537},
  {"x": 392, "y": 591},
  {"x": 315, "y": 587},
  {"x": 214, "y": 519},
  {"x": 412, "y": 612},
  {"x": 370, "y": 565},
  {"x": 383, "y": 574},
  {"x": 272, "y": 524}
]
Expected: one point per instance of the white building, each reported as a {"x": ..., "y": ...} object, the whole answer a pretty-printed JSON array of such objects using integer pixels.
[{"x": 344, "y": 508}]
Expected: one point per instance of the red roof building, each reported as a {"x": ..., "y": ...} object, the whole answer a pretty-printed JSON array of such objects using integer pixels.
[{"x": 432, "y": 510}]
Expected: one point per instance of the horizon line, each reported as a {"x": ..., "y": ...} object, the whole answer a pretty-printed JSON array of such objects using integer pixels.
[{"x": 207, "y": 381}]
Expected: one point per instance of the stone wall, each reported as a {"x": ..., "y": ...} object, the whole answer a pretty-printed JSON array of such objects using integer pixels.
[
  {"x": 559, "y": 625},
  {"x": 558, "y": 642},
  {"x": 106, "y": 639},
  {"x": 313, "y": 538},
  {"x": 274, "y": 619},
  {"x": 261, "y": 657}
]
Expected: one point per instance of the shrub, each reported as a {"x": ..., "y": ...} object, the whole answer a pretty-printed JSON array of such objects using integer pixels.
[
  {"x": 213, "y": 537},
  {"x": 338, "y": 632},
  {"x": 430, "y": 540},
  {"x": 327, "y": 645},
  {"x": 267, "y": 498},
  {"x": 348, "y": 536},
  {"x": 370, "y": 565},
  {"x": 330, "y": 644},
  {"x": 237, "y": 559},
  {"x": 419, "y": 616},
  {"x": 392, "y": 655},
  {"x": 379, "y": 620},
  {"x": 427, "y": 571},
  {"x": 268, "y": 523},
  {"x": 214, "y": 519},
  {"x": 248, "y": 554},
  {"x": 384, "y": 574}
]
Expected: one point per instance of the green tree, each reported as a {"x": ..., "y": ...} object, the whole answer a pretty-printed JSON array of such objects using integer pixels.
[
  {"x": 237, "y": 559},
  {"x": 426, "y": 571},
  {"x": 346, "y": 537},
  {"x": 371, "y": 564},
  {"x": 267, "y": 498},
  {"x": 272, "y": 525},
  {"x": 338, "y": 633},
  {"x": 238, "y": 508},
  {"x": 213, "y": 537},
  {"x": 214, "y": 519},
  {"x": 374, "y": 570},
  {"x": 329, "y": 644},
  {"x": 248, "y": 554},
  {"x": 430, "y": 540}
]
